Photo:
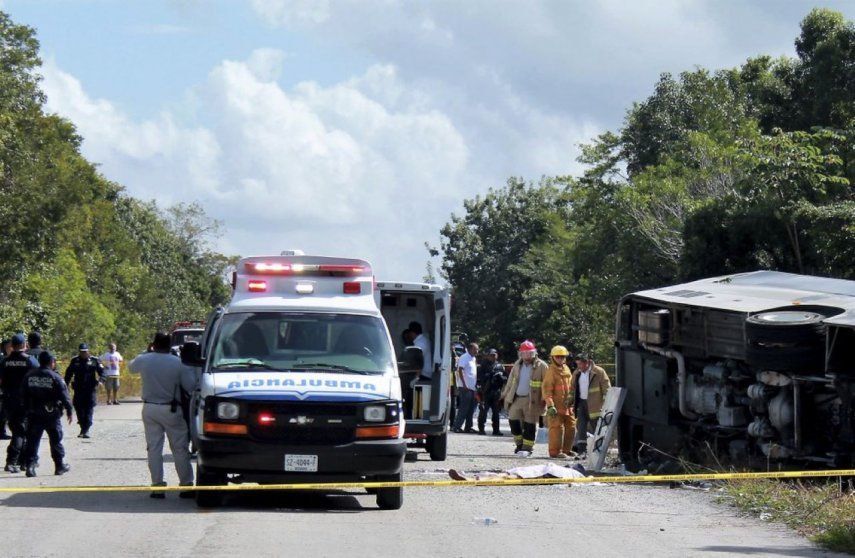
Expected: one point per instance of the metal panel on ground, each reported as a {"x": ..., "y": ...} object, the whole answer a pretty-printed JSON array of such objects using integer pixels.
[{"x": 606, "y": 427}]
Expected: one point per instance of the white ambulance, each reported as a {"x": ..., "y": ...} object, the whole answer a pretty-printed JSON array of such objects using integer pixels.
[{"x": 298, "y": 380}]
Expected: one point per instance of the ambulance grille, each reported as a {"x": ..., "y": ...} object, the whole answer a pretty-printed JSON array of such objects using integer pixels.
[{"x": 305, "y": 424}]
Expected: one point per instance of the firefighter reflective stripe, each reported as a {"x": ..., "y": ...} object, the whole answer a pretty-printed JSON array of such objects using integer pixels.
[
  {"x": 593, "y": 390},
  {"x": 518, "y": 438},
  {"x": 595, "y": 415},
  {"x": 529, "y": 444},
  {"x": 535, "y": 384}
]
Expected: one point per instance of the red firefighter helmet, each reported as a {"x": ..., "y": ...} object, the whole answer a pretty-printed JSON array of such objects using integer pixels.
[{"x": 526, "y": 346}]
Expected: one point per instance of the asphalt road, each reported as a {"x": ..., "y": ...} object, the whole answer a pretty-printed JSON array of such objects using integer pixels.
[{"x": 610, "y": 520}]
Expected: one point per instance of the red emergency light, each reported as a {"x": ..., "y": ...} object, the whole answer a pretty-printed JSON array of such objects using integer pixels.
[
  {"x": 266, "y": 418},
  {"x": 352, "y": 287},
  {"x": 254, "y": 286},
  {"x": 289, "y": 268}
]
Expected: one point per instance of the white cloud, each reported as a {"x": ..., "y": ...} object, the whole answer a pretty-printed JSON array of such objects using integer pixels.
[
  {"x": 289, "y": 12},
  {"x": 266, "y": 63},
  {"x": 584, "y": 60},
  {"x": 143, "y": 155},
  {"x": 333, "y": 169}
]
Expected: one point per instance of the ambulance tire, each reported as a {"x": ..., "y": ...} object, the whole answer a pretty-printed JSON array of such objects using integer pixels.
[
  {"x": 391, "y": 498},
  {"x": 437, "y": 447},
  {"x": 208, "y": 498}
]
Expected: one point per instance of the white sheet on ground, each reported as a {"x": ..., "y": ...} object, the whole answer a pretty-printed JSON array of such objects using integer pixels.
[{"x": 543, "y": 471}]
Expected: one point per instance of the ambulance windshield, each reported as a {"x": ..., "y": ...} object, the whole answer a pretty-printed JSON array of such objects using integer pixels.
[{"x": 302, "y": 341}]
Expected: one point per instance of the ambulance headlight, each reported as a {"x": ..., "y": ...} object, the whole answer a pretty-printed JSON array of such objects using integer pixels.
[
  {"x": 375, "y": 413},
  {"x": 228, "y": 411}
]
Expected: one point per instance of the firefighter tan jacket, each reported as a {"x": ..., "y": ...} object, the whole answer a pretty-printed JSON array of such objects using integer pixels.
[
  {"x": 535, "y": 398},
  {"x": 597, "y": 388},
  {"x": 558, "y": 387}
]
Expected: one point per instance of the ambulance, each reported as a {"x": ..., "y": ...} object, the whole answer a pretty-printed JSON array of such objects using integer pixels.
[{"x": 298, "y": 380}]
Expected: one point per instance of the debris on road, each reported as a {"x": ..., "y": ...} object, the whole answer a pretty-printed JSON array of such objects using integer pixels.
[{"x": 548, "y": 470}]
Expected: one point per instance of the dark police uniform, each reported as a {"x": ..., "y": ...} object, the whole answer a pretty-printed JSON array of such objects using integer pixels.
[
  {"x": 493, "y": 380},
  {"x": 44, "y": 395},
  {"x": 12, "y": 372},
  {"x": 84, "y": 375}
]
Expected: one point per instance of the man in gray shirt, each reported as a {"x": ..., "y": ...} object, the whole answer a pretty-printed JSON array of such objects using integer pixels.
[{"x": 163, "y": 378}]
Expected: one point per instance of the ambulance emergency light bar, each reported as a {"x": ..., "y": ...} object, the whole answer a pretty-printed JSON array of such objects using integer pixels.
[
  {"x": 262, "y": 272},
  {"x": 322, "y": 270}
]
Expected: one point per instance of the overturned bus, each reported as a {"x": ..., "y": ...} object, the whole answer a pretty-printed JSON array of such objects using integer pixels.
[{"x": 748, "y": 370}]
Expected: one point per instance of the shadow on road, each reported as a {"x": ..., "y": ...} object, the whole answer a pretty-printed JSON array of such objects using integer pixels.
[
  {"x": 759, "y": 551},
  {"x": 242, "y": 501}
]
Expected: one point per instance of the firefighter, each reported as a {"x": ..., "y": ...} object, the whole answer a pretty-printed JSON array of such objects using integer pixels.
[
  {"x": 523, "y": 398},
  {"x": 590, "y": 384},
  {"x": 557, "y": 389},
  {"x": 84, "y": 374}
]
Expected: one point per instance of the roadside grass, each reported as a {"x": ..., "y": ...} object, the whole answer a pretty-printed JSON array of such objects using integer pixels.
[
  {"x": 819, "y": 510},
  {"x": 130, "y": 385}
]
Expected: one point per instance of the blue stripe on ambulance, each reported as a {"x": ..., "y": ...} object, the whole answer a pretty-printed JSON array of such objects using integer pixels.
[{"x": 343, "y": 396}]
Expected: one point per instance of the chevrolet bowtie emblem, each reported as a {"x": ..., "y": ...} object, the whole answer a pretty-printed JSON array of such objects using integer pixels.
[{"x": 301, "y": 420}]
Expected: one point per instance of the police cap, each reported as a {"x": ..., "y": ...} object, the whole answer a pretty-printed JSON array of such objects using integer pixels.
[
  {"x": 18, "y": 339},
  {"x": 83, "y": 347}
]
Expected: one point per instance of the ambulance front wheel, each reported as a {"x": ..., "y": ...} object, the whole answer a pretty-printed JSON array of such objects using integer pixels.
[
  {"x": 391, "y": 498},
  {"x": 437, "y": 446},
  {"x": 208, "y": 498}
]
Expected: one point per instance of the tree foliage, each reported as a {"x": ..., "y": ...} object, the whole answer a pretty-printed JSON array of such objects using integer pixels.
[
  {"x": 83, "y": 260},
  {"x": 715, "y": 172}
]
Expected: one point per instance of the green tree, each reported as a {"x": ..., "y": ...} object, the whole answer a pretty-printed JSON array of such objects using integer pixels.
[{"x": 481, "y": 252}]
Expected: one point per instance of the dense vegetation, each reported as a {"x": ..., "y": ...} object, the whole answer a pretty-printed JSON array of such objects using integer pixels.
[
  {"x": 714, "y": 173},
  {"x": 83, "y": 261}
]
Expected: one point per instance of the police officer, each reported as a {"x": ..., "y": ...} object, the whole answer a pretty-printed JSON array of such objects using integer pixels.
[
  {"x": 490, "y": 384},
  {"x": 34, "y": 345},
  {"x": 5, "y": 349},
  {"x": 12, "y": 372},
  {"x": 45, "y": 395},
  {"x": 84, "y": 374}
]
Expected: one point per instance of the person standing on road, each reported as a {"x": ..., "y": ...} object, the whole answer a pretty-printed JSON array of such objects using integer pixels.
[
  {"x": 557, "y": 389},
  {"x": 112, "y": 362},
  {"x": 163, "y": 377},
  {"x": 523, "y": 398},
  {"x": 467, "y": 377},
  {"x": 422, "y": 342},
  {"x": 44, "y": 396},
  {"x": 492, "y": 380},
  {"x": 590, "y": 384},
  {"x": 84, "y": 374},
  {"x": 12, "y": 373},
  {"x": 5, "y": 350},
  {"x": 34, "y": 345}
]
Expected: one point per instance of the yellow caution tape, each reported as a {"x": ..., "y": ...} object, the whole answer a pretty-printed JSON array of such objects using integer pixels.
[{"x": 442, "y": 483}]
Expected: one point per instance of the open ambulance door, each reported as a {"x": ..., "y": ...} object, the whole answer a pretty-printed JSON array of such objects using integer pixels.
[{"x": 442, "y": 357}]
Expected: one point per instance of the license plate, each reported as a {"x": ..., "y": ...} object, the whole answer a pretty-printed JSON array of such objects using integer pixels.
[{"x": 301, "y": 463}]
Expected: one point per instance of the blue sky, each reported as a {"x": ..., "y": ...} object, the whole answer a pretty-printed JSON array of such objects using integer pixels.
[{"x": 356, "y": 127}]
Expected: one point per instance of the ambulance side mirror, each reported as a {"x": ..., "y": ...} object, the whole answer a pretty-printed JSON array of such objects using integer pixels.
[{"x": 191, "y": 354}]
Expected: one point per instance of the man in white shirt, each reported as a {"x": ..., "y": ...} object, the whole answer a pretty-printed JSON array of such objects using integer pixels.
[
  {"x": 112, "y": 363},
  {"x": 467, "y": 377},
  {"x": 590, "y": 385},
  {"x": 422, "y": 342}
]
